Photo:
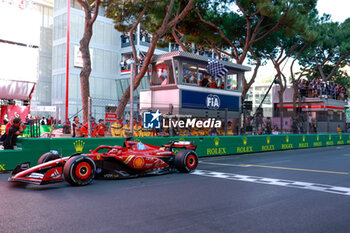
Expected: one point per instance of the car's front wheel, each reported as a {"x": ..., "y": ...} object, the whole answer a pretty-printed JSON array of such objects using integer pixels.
[
  {"x": 79, "y": 170},
  {"x": 186, "y": 161}
]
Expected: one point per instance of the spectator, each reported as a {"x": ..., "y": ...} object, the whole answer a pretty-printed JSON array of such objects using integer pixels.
[
  {"x": 339, "y": 129},
  {"x": 48, "y": 120},
  {"x": 125, "y": 129},
  {"x": 116, "y": 128},
  {"x": 275, "y": 130},
  {"x": 76, "y": 128},
  {"x": 16, "y": 129},
  {"x": 101, "y": 128},
  {"x": 137, "y": 128},
  {"x": 9, "y": 124},
  {"x": 85, "y": 128},
  {"x": 43, "y": 121}
]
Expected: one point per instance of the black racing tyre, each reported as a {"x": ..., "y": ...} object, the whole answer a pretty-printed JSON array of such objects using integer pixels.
[
  {"x": 49, "y": 156},
  {"x": 79, "y": 170},
  {"x": 186, "y": 161}
]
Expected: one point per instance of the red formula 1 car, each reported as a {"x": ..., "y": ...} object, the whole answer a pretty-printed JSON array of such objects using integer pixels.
[{"x": 109, "y": 162}]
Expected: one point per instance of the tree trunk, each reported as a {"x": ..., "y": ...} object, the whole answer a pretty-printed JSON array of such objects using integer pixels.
[
  {"x": 280, "y": 96},
  {"x": 86, "y": 70},
  {"x": 85, "y": 52},
  {"x": 126, "y": 96}
]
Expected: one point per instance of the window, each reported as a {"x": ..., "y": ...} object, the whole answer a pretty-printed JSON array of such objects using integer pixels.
[
  {"x": 162, "y": 73},
  {"x": 190, "y": 74},
  {"x": 231, "y": 82}
]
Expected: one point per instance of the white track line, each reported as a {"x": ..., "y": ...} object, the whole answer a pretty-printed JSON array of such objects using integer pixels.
[{"x": 279, "y": 182}]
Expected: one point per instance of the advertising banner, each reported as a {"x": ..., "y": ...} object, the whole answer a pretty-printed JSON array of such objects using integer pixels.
[
  {"x": 110, "y": 117},
  {"x": 202, "y": 100}
]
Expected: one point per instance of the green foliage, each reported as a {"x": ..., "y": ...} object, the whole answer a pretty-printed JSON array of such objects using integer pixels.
[{"x": 125, "y": 13}]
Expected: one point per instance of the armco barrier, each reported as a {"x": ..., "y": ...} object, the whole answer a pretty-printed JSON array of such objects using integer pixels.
[{"x": 33, "y": 148}]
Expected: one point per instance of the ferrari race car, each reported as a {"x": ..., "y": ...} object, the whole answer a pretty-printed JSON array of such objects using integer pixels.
[{"x": 109, "y": 162}]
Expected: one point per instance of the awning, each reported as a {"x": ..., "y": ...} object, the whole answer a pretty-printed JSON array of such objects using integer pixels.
[{"x": 15, "y": 90}]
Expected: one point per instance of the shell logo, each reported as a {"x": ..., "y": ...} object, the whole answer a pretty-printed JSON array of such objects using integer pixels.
[
  {"x": 287, "y": 139},
  {"x": 268, "y": 139},
  {"x": 216, "y": 141},
  {"x": 245, "y": 140},
  {"x": 138, "y": 162}
]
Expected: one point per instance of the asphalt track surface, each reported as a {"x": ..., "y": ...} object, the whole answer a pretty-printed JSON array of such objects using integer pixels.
[{"x": 291, "y": 191}]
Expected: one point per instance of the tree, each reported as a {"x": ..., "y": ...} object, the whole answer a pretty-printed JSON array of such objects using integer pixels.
[
  {"x": 158, "y": 22},
  {"x": 332, "y": 49},
  {"x": 254, "y": 21},
  {"x": 291, "y": 37},
  {"x": 91, "y": 11}
]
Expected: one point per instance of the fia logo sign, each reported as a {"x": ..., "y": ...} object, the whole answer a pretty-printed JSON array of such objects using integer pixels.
[
  {"x": 213, "y": 102},
  {"x": 151, "y": 120}
]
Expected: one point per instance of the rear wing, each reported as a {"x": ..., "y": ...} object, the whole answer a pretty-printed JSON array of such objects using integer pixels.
[{"x": 188, "y": 145}]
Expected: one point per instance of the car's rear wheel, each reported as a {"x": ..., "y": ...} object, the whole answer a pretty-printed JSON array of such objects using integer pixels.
[
  {"x": 186, "y": 161},
  {"x": 79, "y": 170},
  {"x": 49, "y": 156}
]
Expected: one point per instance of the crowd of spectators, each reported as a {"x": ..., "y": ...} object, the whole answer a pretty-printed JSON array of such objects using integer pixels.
[
  {"x": 318, "y": 88},
  {"x": 49, "y": 120},
  {"x": 144, "y": 36},
  {"x": 126, "y": 38}
]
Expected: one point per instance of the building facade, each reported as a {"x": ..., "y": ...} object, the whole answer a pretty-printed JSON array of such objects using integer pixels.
[{"x": 109, "y": 52}]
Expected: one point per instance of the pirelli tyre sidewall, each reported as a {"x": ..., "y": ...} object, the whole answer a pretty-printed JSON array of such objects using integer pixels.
[
  {"x": 186, "y": 161},
  {"x": 49, "y": 156},
  {"x": 79, "y": 170}
]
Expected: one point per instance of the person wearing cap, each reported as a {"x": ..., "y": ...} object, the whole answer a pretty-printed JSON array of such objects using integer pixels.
[
  {"x": 15, "y": 130},
  {"x": 101, "y": 128},
  {"x": 137, "y": 128},
  {"x": 116, "y": 128},
  {"x": 125, "y": 129}
]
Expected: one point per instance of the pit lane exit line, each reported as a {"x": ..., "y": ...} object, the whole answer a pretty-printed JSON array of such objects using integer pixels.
[{"x": 279, "y": 182}]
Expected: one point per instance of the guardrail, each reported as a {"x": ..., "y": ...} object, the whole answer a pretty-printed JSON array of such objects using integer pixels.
[{"x": 33, "y": 148}]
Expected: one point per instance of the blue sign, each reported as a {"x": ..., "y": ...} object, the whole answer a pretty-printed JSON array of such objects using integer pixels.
[
  {"x": 201, "y": 100},
  {"x": 151, "y": 120}
]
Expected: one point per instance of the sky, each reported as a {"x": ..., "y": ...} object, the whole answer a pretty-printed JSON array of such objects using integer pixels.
[{"x": 338, "y": 9}]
